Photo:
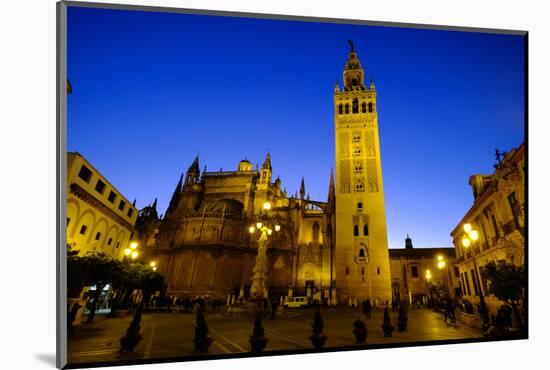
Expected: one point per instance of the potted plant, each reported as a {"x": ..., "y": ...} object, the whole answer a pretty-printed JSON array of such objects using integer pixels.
[
  {"x": 201, "y": 341},
  {"x": 317, "y": 337},
  {"x": 133, "y": 335},
  {"x": 403, "y": 317},
  {"x": 387, "y": 327},
  {"x": 360, "y": 331},
  {"x": 257, "y": 340}
]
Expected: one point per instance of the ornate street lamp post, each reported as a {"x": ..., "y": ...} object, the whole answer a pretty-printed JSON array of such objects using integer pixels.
[
  {"x": 441, "y": 264},
  {"x": 264, "y": 227},
  {"x": 469, "y": 239},
  {"x": 132, "y": 251}
]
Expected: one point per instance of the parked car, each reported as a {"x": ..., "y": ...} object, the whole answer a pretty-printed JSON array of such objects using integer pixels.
[{"x": 296, "y": 302}]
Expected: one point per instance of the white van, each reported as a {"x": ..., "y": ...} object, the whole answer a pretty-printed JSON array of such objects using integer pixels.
[{"x": 295, "y": 302}]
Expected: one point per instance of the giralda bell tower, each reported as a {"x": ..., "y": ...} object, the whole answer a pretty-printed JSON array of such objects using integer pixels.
[{"x": 362, "y": 267}]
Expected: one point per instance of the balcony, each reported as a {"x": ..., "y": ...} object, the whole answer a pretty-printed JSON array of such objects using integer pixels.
[{"x": 512, "y": 226}]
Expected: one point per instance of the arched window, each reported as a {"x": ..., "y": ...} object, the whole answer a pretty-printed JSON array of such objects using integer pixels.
[
  {"x": 347, "y": 108},
  {"x": 364, "y": 107},
  {"x": 355, "y": 230},
  {"x": 370, "y": 107},
  {"x": 355, "y": 106},
  {"x": 359, "y": 205},
  {"x": 359, "y": 186},
  {"x": 315, "y": 232},
  {"x": 362, "y": 253},
  {"x": 365, "y": 229},
  {"x": 340, "y": 109}
]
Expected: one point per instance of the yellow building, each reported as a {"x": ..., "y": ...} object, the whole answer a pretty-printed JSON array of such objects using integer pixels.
[
  {"x": 414, "y": 270},
  {"x": 99, "y": 217},
  {"x": 498, "y": 215},
  {"x": 361, "y": 253}
]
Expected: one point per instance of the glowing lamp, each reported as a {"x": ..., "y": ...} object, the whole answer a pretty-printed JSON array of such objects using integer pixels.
[
  {"x": 259, "y": 225},
  {"x": 467, "y": 228},
  {"x": 474, "y": 235},
  {"x": 277, "y": 228},
  {"x": 134, "y": 254},
  {"x": 267, "y": 206},
  {"x": 465, "y": 242},
  {"x": 251, "y": 229},
  {"x": 440, "y": 258},
  {"x": 153, "y": 264},
  {"x": 127, "y": 251},
  {"x": 133, "y": 245},
  {"x": 441, "y": 264},
  {"x": 154, "y": 268},
  {"x": 269, "y": 231}
]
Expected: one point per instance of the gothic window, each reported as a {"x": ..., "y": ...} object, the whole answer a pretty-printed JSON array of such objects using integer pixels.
[
  {"x": 358, "y": 167},
  {"x": 370, "y": 107},
  {"x": 83, "y": 229},
  {"x": 362, "y": 253},
  {"x": 365, "y": 230},
  {"x": 359, "y": 205},
  {"x": 356, "y": 152},
  {"x": 355, "y": 230},
  {"x": 347, "y": 108},
  {"x": 315, "y": 232},
  {"x": 347, "y": 270},
  {"x": 362, "y": 271},
  {"x": 356, "y": 137},
  {"x": 340, "y": 109},
  {"x": 364, "y": 107},
  {"x": 359, "y": 186},
  {"x": 355, "y": 106}
]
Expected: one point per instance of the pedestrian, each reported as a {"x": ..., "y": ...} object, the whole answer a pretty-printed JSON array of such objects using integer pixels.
[{"x": 274, "y": 304}]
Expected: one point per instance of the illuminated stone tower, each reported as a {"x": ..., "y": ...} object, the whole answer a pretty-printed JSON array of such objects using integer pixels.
[{"x": 362, "y": 266}]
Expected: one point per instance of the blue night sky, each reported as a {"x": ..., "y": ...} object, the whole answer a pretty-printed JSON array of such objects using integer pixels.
[{"x": 153, "y": 90}]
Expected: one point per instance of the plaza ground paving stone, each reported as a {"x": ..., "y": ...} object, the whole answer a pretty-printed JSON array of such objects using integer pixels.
[{"x": 171, "y": 334}]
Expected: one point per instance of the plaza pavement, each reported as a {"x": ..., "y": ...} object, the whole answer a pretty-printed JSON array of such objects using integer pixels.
[{"x": 170, "y": 334}]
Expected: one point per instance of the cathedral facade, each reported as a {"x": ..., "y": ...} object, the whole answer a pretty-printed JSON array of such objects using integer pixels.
[{"x": 331, "y": 248}]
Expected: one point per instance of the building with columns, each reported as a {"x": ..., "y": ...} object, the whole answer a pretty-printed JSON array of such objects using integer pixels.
[
  {"x": 335, "y": 247},
  {"x": 99, "y": 217},
  {"x": 498, "y": 215}
]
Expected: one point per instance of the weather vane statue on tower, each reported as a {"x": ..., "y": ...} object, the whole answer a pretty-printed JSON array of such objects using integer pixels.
[{"x": 351, "y": 46}]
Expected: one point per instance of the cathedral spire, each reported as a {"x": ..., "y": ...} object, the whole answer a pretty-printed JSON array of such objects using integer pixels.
[
  {"x": 302, "y": 189},
  {"x": 408, "y": 242},
  {"x": 193, "y": 173},
  {"x": 331, "y": 188},
  {"x": 154, "y": 206}
]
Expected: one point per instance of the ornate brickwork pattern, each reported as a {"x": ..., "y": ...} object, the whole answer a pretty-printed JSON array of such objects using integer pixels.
[
  {"x": 369, "y": 144},
  {"x": 372, "y": 177},
  {"x": 344, "y": 176},
  {"x": 344, "y": 144}
]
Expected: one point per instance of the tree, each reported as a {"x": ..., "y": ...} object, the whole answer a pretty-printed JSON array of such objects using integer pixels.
[
  {"x": 201, "y": 341},
  {"x": 387, "y": 327},
  {"x": 507, "y": 282},
  {"x": 360, "y": 331},
  {"x": 257, "y": 340},
  {"x": 403, "y": 316},
  {"x": 133, "y": 335},
  {"x": 317, "y": 337}
]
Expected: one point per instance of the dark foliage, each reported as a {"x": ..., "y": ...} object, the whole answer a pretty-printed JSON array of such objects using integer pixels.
[
  {"x": 317, "y": 337},
  {"x": 387, "y": 327},
  {"x": 257, "y": 340},
  {"x": 360, "y": 331},
  {"x": 133, "y": 335},
  {"x": 201, "y": 341}
]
